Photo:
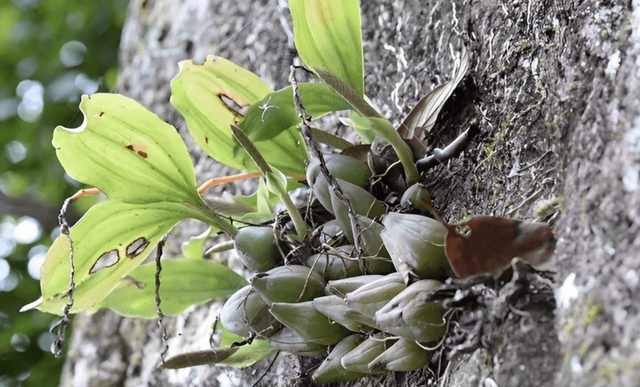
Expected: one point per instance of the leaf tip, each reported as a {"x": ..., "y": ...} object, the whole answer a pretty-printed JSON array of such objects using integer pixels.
[{"x": 32, "y": 305}]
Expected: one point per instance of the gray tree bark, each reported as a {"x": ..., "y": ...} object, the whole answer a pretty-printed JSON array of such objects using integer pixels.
[{"x": 554, "y": 87}]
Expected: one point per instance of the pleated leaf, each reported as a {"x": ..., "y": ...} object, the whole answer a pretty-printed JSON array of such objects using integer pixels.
[
  {"x": 128, "y": 152},
  {"x": 210, "y": 97},
  {"x": 110, "y": 241},
  {"x": 142, "y": 165},
  {"x": 183, "y": 283},
  {"x": 328, "y": 36}
]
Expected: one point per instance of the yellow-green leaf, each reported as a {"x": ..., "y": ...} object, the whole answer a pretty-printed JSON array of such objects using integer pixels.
[
  {"x": 328, "y": 36},
  {"x": 359, "y": 103},
  {"x": 110, "y": 240},
  {"x": 199, "y": 93},
  {"x": 183, "y": 283},
  {"x": 128, "y": 152}
]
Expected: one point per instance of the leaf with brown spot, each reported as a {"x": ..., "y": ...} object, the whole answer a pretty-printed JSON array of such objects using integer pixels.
[
  {"x": 106, "y": 227},
  {"x": 136, "y": 149},
  {"x": 105, "y": 260},
  {"x": 136, "y": 247},
  {"x": 112, "y": 153},
  {"x": 196, "y": 93},
  {"x": 148, "y": 196}
]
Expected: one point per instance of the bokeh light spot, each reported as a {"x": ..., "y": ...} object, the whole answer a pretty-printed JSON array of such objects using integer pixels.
[
  {"x": 34, "y": 265},
  {"x": 5, "y": 269},
  {"x": 20, "y": 342},
  {"x": 15, "y": 151},
  {"x": 27, "y": 230},
  {"x": 45, "y": 340},
  {"x": 9, "y": 283},
  {"x": 32, "y": 94},
  {"x": 72, "y": 53}
]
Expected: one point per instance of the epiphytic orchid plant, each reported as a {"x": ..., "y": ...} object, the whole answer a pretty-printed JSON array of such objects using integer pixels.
[{"x": 331, "y": 278}]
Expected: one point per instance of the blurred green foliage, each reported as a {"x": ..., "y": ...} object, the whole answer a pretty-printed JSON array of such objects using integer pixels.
[{"x": 51, "y": 52}]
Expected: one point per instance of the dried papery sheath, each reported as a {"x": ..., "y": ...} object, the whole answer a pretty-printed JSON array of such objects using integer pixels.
[{"x": 487, "y": 244}]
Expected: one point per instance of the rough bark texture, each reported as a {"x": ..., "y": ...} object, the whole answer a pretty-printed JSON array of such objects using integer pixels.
[{"x": 554, "y": 87}]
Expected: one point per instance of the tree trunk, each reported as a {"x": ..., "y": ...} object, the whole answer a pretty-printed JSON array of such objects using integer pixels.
[{"x": 554, "y": 87}]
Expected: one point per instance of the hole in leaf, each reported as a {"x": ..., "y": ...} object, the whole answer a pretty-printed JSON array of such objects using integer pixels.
[
  {"x": 107, "y": 259},
  {"x": 233, "y": 106},
  {"x": 136, "y": 247}
]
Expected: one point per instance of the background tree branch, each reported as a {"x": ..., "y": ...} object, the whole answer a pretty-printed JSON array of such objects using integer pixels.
[{"x": 46, "y": 216}]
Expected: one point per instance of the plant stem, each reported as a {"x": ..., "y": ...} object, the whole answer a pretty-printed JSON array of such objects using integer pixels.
[
  {"x": 216, "y": 181},
  {"x": 383, "y": 128},
  {"x": 222, "y": 224},
  {"x": 379, "y": 124},
  {"x": 267, "y": 171},
  {"x": 208, "y": 216},
  {"x": 313, "y": 149},
  {"x": 298, "y": 222},
  {"x": 220, "y": 247}
]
